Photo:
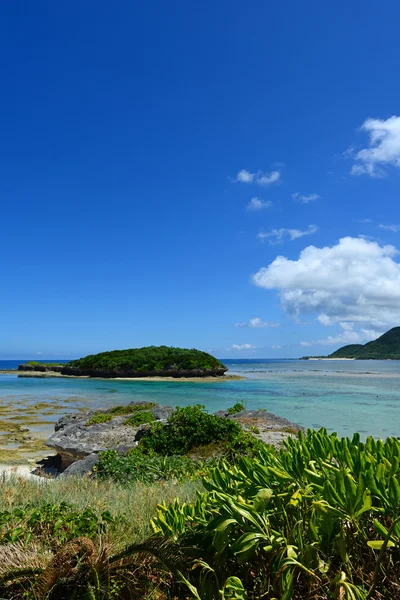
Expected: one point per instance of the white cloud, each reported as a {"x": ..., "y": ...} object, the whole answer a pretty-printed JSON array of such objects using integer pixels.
[
  {"x": 243, "y": 347},
  {"x": 268, "y": 178},
  {"x": 346, "y": 336},
  {"x": 257, "y": 323},
  {"x": 305, "y": 199},
  {"x": 259, "y": 178},
  {"x": 355, "y": 281},
  {"x": 364, "y": 221},
  {"x": 258, "y": 204},
  {"x": 349, "y": 152},
  {"x": 276, "y": 346},
  {"x": 245, "y": 176},
  {"x": 277, "y": 236},
  {"x": 394, "y": 228},
  {"x": 383, "y": 149}
]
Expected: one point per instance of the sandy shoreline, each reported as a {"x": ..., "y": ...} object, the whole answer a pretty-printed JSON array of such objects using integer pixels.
[
  {"x": 183, "y": 379},
  {"x": 316, "y": 358}
]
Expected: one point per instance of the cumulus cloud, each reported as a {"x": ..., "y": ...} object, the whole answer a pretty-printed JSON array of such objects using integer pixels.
[
  {"x": 393, "y": 228},
  {"x": 278, "y": 236},
  {"x": 257, "y": 323},
  {"x": 354, "y": 281},
  {"x": 346, "y": 336},
  {"x": 243, "y": 347},
  {"x": 259, "y": 178},
  {"x": 305, "y": 199},
  {"x": 258, "y": 204},
  {"x": 245, "y": 176},
  {"x": 276, "y": 346},
  {"x": 383, "y": 148}
]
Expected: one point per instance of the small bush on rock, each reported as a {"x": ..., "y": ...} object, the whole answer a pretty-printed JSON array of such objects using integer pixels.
[
  {"x": 140, "y": 418},
  {"x": 128, "y": 409},
  {"x": 187, "y": 428},
  {"x": 238, "y": 407},
  {"x": 99, "y": 418}
]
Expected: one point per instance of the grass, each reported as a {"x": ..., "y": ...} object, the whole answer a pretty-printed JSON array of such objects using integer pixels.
[
  {"x": 99, "y": 418},
  {"x": 127, "y": 409},
  {"x": 290, "y": 429},
  {"x": 136, "y": 503},
  {"x": 137, "y": 411},
  {"x": 140, "y": 418}
]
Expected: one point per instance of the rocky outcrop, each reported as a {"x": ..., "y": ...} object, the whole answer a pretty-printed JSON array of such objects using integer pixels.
[
  {"x": 41, "y": 368},
  {"x": 104, "y": 374},
  {"x": 78, "y": 438},
  {"x": 264, "y": 425},
  {"x": 75, "y": 439}
]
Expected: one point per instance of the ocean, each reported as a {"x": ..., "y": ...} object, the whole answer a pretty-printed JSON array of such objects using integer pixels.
[{"x": 343, "y": 396}]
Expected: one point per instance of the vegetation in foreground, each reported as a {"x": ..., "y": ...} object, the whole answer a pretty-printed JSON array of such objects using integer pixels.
[{"x": 318, "y": 520}]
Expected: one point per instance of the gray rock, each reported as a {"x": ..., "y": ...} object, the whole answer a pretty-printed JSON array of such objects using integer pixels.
[
  {"x": 73, "y": 439},
  {"x": 264, "y": 425},
  {"x": 82, "y": 467}
]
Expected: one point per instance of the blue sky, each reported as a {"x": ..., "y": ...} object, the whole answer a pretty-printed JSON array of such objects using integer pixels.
[{"x": 157, "y": 158}]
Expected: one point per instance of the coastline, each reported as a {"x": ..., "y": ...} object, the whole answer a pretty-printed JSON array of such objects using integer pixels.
[
  {"x": 316, "y": 358},
  {"x": 39, "y": 374}
]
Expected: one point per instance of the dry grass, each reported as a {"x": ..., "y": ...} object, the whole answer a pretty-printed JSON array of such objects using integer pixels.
[
  {"x": 136, "y": 502},
  {"x": 23, "y": 556}
]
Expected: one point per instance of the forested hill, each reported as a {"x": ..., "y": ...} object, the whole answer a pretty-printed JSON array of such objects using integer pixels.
[{"x": 387, "y": 346}]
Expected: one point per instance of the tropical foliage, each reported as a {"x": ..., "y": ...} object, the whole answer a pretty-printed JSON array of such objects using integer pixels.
[
  {"x": 152, "y": 359},
  {"x": 317, "y": 520}
]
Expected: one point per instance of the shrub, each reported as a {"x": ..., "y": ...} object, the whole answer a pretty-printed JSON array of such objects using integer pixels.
[
  {"x": 99, "y": 418},
  {"x": 127, "y": 409},
  {"x": 187, "y": 428},
  {"x": 139, "y": 418},
  {"x": 238, "y": 407},
  {"x": 53, "y": 523},
  {"x": 135, "y": 466}
]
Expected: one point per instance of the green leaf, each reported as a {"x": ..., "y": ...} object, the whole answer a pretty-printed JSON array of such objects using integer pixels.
[
  {"x": 367, "y": 503},
  {"x": 262, "y": 499},
  {"x": 247, "y": 542},
  {"x": 377, "y": 544},
  {"x": 233, "y": 589},
  {"x": 379, "y": 528},
  {"x": 222, "y": 534}
]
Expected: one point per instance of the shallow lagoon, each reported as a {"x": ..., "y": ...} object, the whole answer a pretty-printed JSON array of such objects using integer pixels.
[{"x": 344, "y": 396}]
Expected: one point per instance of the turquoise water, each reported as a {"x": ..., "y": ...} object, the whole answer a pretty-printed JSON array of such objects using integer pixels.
[{"x": 344, "y": 396}]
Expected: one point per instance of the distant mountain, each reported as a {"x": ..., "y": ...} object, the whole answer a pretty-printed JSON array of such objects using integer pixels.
[
  {"x": 349, "y": 351},
  {"x": 387, "y": 346}
]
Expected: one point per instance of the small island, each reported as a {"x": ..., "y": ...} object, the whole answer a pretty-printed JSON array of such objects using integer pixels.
[
  {"x": 385, "y": 347},
  {"x": 151, "y": 361}
]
